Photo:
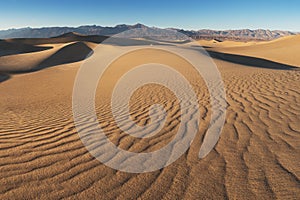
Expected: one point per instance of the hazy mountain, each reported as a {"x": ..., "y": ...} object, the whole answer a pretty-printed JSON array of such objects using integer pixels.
[
  {"x": 243, "y": 34},
  {"x": 46, "y": 32}
]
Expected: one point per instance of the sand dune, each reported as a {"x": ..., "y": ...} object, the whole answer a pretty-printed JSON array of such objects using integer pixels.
[
  {"x": 68, "y": 37},
  {"x": 257, "y": 156},
  {"x": 249, "y": 60},
  {"x": 226, "y": 43},
  {"x": 11, "y": 48},
  {"x": 73, "y": 52},
  {"x": 283, "y": 50},
  {"x": 39, "y": 53},
  {"x": 58, "y": 54}
]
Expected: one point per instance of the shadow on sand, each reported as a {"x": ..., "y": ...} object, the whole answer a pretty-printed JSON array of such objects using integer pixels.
[
  {"x": 4, "y": 77},
  {"x": 13, "y": 48},
  {"x": 250, "y": 61},
  {"x": 69, "y": 54},
  {"x": 79, "y": 51}
]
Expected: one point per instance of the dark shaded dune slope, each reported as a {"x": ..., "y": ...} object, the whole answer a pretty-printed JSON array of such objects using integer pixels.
[
  {"x": 71, "y": 53},
  {"x": 250, "y": 61},
  {"x": 65, "y": 38},
  {"x": 14, "y": 47}
]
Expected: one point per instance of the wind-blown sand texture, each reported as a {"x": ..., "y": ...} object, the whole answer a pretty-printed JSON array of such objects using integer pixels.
[{"x": 257, "y": 156}]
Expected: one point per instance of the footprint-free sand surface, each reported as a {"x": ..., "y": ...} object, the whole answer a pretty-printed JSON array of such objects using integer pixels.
[{"x": 256, "y": 157}]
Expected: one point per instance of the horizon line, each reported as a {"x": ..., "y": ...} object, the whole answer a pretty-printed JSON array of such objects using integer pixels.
[{"x": 150, "y": 26}]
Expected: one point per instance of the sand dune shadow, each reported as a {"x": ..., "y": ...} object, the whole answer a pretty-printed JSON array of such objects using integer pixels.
[
  {"x": 250, "y": 61},
  {"x": 4, "y": 77},
  {"x": 13, "y": 48},
  {"x": 71, "y": 53}
]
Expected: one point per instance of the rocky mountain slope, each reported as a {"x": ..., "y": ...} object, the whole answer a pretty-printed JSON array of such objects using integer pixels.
[{"x": 46, "y": 32}]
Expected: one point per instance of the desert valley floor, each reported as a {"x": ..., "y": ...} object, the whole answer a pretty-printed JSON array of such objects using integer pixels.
[{"x": 257, "y": 156}]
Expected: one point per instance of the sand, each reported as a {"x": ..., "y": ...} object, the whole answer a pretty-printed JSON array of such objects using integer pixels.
[
  {"x": 257, "y": 156},
  {"x": 283, "y": 50}
]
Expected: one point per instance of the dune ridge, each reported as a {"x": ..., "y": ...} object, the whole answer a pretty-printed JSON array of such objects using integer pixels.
[{"x": 283, "y": 50}]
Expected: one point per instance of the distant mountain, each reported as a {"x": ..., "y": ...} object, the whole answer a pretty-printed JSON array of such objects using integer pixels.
[
  {"x": 243, "y": 34},
  {"x": 46, "y": 32}
]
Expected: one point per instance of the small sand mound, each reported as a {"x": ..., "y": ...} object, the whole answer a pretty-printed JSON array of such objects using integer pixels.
[
  {"x": 69, "y": 34},
  {"x": 216, "y": 40}
]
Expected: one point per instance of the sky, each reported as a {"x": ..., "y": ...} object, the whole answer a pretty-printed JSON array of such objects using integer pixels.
[{"x": 186, "y": 14}]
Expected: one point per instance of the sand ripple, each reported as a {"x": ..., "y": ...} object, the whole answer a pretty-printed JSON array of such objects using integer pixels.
[{"x": 257, "y": 156}]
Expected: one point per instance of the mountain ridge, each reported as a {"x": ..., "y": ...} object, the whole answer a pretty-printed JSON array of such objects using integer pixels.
[{"x": 208, "y": 34}]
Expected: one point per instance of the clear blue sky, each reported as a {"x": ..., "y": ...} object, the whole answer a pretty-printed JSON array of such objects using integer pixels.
[{"x": 187, "y": 14}]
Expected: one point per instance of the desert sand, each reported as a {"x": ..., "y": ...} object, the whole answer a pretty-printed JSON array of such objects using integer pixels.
[{"x": 256, "y": 157}]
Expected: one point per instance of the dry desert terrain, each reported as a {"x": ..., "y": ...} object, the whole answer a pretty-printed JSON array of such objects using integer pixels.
[{"x": 256, "y": 157}]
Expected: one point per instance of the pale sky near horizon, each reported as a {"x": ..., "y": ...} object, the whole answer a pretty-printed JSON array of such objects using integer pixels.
[{"x": 220, "y": 15}]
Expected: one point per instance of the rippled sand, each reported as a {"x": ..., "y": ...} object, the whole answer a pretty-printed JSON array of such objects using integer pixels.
[{"x": 257, "y": 156}]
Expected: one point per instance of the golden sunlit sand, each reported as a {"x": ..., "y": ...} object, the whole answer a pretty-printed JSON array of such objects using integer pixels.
[{"x": 257, "y": 156}]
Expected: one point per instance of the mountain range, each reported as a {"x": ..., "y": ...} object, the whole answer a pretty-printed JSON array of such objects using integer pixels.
[{"x": 242, "y": 34}]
